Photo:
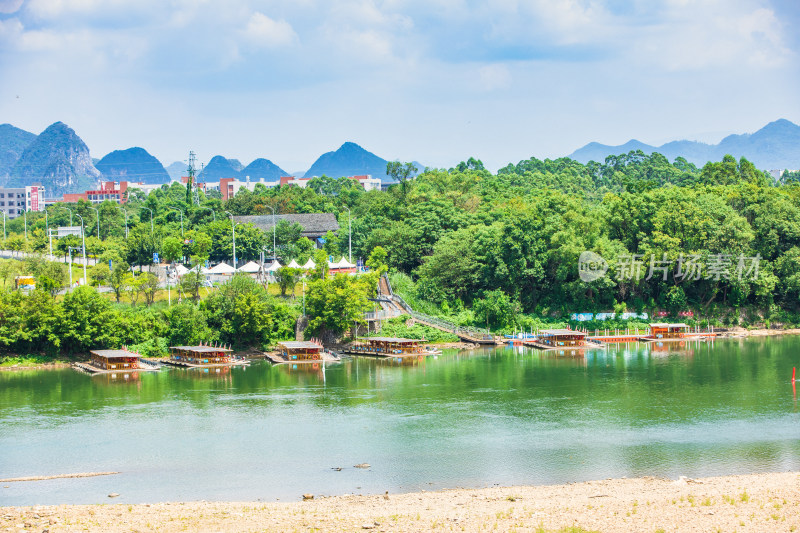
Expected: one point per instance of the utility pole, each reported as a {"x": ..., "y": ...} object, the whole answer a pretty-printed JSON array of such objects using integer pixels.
[
  {"x": 190, "y": 181},
  {"x": 83, "y": 237},
  {"x": 274, "y": 253},
  {"x": 349, "y": 237},
  {"x": 233, "y": 232},
  {"x": 47, "y": 229},
  {"x": 181, "y": 213},
  {"x": 97, "y": 212}
]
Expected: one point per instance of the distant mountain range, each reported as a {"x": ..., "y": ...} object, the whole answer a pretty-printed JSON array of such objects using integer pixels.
[
  {"x": 176, "y": 170},
  {"x": 133, "y": 164},
  {"x": 58, "y": 159},
  {"x": 220, "y": 167},
  {"x": 13, "y": 142},
  {"x": 776, "y": 146},
  {"x": 349, "y": 160}
]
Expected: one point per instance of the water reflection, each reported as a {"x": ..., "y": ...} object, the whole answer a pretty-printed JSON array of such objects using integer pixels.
[{"x": 468, "y": 418}]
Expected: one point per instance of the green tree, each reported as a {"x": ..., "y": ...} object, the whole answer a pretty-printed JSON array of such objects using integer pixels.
[
  {"x": 188, "y": 325},
  {"x": 118, "y": 279},
  {"x": 172, "y": 249},
  {"x": 148, "y": 286},
  {"x": 401, "y": 173},
  {"x": 88, "y": 321},
  {"x": 338, "y": 302},
  {"x": 287, "y": 279}
]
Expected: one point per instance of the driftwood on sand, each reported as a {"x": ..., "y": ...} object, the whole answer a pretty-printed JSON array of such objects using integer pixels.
[{"x": 59, "y": 476}]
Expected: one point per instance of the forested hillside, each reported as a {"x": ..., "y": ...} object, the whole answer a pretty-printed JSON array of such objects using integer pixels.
[
  {"x": 514, "y": 238},
  {"x": 499, "y": 250}
]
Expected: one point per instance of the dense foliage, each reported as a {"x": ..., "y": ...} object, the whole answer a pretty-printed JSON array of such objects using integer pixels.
[{"x": 491, "y": 250}]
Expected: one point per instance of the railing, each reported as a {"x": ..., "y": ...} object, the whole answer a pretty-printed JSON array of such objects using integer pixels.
[
  {"x": 388, "y": 285},
  {"x": 432, "y": 320},
  {"x": 379, "y": 315}
]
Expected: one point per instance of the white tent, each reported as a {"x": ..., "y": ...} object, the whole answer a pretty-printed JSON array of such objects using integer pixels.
[
  {"x": 344, "y": 263},
  {"x": 293, "y": 264},
  {"x": 222, "y": 268},
  {"x": 180, "y": 269},
  {"x": 273, "y": 267},
  {"x": 251, "y": 268},
  {"x": 310, "y": 265}
]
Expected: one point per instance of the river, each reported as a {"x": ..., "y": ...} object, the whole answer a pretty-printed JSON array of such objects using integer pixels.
[{"x": 477, "y": 418}]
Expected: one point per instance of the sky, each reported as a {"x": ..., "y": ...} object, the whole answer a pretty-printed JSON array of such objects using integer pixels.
[{"x": 436, "y": 81}]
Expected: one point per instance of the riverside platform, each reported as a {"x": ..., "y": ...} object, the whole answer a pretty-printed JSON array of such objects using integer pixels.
[
  {"x": 203, "y": 357},
  {"x": 300, "y": 352},
  {"x": 391, "y": 347},
  {"x": 114, "y": 362}
]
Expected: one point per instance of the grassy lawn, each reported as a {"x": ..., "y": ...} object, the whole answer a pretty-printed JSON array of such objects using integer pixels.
[{"x": 28, "y": 360}]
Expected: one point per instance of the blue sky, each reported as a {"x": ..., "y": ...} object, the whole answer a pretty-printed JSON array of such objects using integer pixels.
[{"x": 436, "y": 81}]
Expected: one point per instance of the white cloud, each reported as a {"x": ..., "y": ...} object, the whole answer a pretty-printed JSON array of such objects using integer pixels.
[
  {"x": 10, "y": 31},
  {"x": 713, "y": 34},
  {"x": 10, "y": 6},
  {"x": 494, "y": 77},
  {"x": 268, "y": 33}
]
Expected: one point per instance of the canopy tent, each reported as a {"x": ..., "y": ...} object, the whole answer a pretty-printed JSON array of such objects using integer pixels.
[
  {"x": 344, "y": 263},
  {"x": 293, "y": 264},
  {"x": 180, "y": 269},
  {"x": 273, "y": 266},
  {"x": 222, "y": 268},
  {"x": 310, "y": 265},
  {"x": 251, "y": 268}
]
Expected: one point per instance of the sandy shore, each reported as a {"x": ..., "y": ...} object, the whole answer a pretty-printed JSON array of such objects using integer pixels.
[{"x": 759, "y": 502}]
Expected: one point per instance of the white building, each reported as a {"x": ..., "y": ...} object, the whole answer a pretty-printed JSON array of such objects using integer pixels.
[{"x": 16, "y": 200}]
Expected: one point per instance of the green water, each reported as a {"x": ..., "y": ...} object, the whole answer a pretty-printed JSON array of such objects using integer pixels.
[{"x": 464, "y": 419}]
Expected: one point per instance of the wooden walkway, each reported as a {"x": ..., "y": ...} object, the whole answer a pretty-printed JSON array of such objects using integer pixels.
[{"x": 458, "y": 332}]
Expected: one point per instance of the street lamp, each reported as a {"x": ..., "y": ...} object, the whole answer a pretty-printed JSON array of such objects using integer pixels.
[
  {"x": 47, "y": 229},
  {"x": 97, "y": 211},
  {"x": 274, "y": 253},
  {"x": 126, "y": 219},
  {"x": 69, "y": 249},
  {"x": 233, "y": 231},
  {"x": 349, "y": 238},
  {"x": 83, "y": 237},
  {"x": 151, "y": 219},
  {"x": 179, "y": 211},
  {"x": 212, "y": 212},
  {"x": 68, "y": 209}
]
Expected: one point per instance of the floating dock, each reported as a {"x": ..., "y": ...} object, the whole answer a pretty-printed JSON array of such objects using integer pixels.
[
  {"x": 115, "y": 362},
  {"x": 203, "y": 356},
  {"x": 389, "y": 347}
]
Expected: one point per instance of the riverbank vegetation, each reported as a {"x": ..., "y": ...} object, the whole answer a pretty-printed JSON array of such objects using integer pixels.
[{"x": 498, "y": 251}]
